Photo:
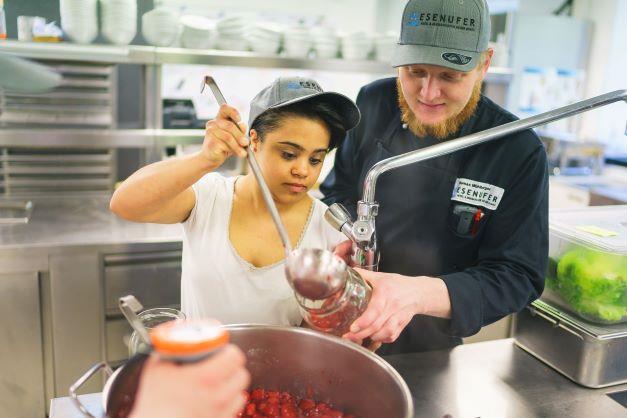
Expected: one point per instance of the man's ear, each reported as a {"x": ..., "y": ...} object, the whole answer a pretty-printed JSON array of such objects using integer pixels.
[{"x": 486, "y": 59}]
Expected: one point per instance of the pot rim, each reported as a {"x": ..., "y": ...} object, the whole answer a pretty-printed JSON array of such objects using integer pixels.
[{"x": 337, "y": 340}]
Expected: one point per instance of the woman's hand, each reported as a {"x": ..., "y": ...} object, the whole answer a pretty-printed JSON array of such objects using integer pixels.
[
  {"x": 344, "y": 250},
  {"x": 224, "y": 138}
]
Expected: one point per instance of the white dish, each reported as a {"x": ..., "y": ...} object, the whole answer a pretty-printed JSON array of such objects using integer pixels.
[
  {"x": 326, "y": 53},
  {"x": 197, "y": 23},
  {"x": 160, "y": 27},
  {"x": 231, "y": 44}
]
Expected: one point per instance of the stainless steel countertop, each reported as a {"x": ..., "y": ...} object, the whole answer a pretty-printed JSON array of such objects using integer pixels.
[
  {"x": 75, "y": 221},
  {"x": 489, "y": 379}
]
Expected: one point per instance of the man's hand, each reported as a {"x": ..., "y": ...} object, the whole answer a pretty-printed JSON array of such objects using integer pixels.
[
  {"x": 224, "y": 138},
  {"x": 395, "y": 300},
  {"x": 211, "y": 388}
]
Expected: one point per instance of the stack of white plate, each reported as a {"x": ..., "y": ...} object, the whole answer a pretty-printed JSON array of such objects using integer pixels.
[
  {"x": 79, "y": 20},
  {"x": 384, "y": 45},
  {"x": 265, "y": 38},
  {"x": 297, "y": 42},
  {"x": 119, "y": 20},
  {"x": 198, "y": 32},
  {"x": 356, "y": 46},
  {"x": 326, "y": 42},
  {"x": 160, "y": 27},
  {"x": 232, "y": 33}
]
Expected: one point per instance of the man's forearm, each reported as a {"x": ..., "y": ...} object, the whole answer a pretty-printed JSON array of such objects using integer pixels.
[{"x": 435, "y": 300}]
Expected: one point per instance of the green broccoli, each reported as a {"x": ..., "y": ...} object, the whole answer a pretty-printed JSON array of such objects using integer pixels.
[
  {"x": 551, "y": 274},
  {"x": 593, "y": 283}
]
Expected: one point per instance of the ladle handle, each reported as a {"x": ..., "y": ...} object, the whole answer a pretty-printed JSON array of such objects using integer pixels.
[
  {"x": 129, "y": 305},
  {"x": 252, "y": 161}
]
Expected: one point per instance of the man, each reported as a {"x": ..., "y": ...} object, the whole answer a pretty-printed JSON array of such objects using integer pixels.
[{"x": 465, "y": 233}]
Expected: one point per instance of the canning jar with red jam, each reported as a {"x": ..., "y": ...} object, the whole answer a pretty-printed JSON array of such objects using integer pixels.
[{"x": 335, "y": 314}]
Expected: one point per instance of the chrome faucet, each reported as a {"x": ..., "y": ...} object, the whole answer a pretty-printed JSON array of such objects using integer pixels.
[{"x": 362, "y": 232}]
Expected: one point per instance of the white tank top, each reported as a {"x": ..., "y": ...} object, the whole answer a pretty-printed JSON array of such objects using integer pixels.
[{"x": 217, "y": 283}]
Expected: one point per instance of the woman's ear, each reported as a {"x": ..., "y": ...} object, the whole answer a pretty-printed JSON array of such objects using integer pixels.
[{"x": 255, "y": 141}]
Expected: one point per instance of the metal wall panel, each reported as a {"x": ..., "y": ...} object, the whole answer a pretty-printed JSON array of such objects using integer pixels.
[{"x": 21, "y": 348}]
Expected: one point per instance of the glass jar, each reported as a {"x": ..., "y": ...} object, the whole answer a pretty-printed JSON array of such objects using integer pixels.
[
  {"x": 335, "y": 314},
  {"x": 151, "y": 318}
]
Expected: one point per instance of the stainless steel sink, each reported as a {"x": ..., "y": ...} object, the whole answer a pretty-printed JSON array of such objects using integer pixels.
[{"x": 15, "y": 212}]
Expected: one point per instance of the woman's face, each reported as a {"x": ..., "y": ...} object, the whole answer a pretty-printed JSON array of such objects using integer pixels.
[{"x": 291, "y": 156}]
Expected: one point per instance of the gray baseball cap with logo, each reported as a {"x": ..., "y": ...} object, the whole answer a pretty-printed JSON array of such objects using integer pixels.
[
  {"x": 288, "y": 90},
  {"x": 449, "y": 33}
]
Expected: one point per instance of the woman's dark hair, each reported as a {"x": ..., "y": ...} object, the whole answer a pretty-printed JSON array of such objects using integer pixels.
[{"x": 310, "y": 109}]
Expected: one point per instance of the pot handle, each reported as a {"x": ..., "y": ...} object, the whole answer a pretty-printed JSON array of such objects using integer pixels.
[{"x": 81, "y": 381}]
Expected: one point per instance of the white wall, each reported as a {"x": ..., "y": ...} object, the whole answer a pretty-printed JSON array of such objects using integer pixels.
[
  {"x": 606, "y": 70},
  {"x": 540, "y": 7},
  {"x": 389, "y": 15}
]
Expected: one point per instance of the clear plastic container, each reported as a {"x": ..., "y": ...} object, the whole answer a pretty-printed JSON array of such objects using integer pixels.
[
  {"x": 151, "y": 318},
  {"x": 335, "y": 314},
  {"x": 587, "y": 272}
]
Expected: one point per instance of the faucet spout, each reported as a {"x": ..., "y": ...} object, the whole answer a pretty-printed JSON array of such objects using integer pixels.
[{"x": 360, "y": 232}]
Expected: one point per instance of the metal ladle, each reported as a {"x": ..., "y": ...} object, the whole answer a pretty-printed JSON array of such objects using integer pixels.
[
  {"x": 312, "y": 273},
  {"x": 129, "y": 305}
]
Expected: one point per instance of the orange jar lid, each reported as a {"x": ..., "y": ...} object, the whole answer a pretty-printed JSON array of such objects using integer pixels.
[{"x": 188, "y": 337}]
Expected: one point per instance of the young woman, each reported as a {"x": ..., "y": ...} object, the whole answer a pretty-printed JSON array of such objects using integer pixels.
[{"x": 233, "y": 259}]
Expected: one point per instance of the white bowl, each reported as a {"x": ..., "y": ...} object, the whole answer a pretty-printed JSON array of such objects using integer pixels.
[
  {"x": 326, "y": 53},
  {"x": 197, "y": 23},
  {"x": 356, "y": 36},
  {"x": 194, "y": 41},
  {"x": 231, "y": 43},
  {"x": 119, "y": 20},
  {"x": 81, "y": 35},
  {"x": 264, "y": 36},
  {"x": 231, "y": 21},
  {"x": 119, "y": 38},
  {"x": 160, "y": 27},
  {"x": 353, "y": 52},
  {"x": 269, "y": 29},
  {"x": 263, "y": 46},
  {"x": 79, "y": 20},
  {"x": 300, "y": 50}
]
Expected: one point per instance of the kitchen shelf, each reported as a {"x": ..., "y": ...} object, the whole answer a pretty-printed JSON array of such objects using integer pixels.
[
  {"x": 134, "y": 54},
  {"x": 65, "y": 51},
  {"x": 99, "y": 138}
]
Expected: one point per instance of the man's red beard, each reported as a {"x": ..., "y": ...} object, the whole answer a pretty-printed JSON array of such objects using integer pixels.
[{"x": 442, "y": 129}]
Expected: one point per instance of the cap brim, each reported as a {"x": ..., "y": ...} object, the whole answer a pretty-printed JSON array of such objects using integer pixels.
[
  {"x": 431, "y": 55},
  {"x": 347, "y": 109}
]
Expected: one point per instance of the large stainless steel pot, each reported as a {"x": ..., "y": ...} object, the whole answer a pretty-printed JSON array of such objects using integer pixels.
[{"x": 297, "y": 360}]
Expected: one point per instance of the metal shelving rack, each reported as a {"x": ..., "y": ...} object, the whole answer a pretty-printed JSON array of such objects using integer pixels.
[{"x": 152, "y": 59}]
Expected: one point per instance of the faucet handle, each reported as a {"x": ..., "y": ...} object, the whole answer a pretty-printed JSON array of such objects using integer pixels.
[{"x": 339, "y": 218}]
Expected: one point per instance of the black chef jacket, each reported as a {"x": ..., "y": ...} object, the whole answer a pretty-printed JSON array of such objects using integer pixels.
[{"x": 477, "y": 218}]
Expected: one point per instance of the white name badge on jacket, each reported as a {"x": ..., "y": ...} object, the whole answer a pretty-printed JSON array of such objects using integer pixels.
[{"x": 476, "y": 193}]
